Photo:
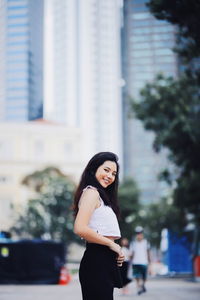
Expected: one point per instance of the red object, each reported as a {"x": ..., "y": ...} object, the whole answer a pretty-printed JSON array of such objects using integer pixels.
[
  {"x": 65, "y": 277},
  {"x": 197, "y": 266}
]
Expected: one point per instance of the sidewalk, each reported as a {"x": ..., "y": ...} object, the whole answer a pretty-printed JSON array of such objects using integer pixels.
[
  {"x": 164, "y": 289},
  {"x": 157, "y": 289}
]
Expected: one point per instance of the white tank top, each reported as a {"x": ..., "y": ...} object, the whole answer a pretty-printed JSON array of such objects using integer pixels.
[{"x": 104, "y": 220}]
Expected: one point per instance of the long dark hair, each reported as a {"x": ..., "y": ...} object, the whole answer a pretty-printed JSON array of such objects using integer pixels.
[{"x": 109, "y": 194}]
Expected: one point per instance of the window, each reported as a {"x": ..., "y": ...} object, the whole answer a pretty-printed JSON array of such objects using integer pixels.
[
  {"x": 163, "y": 29},
  {"x": 166, "y": 44},
  {"x": 142, "y": 53},
  {"x": 141, "y": 23},
  {"x": 139, "y": 16},
  {"x": 164, "y": 67},
  {"x": 67, "y": 148},
  {"x": 20, "y": 33},
  {"x": 17, "y": 25},
  {"x": 142, "y": 46},
  {"x": 160, "y": 22},
  {"x": 163, "y": 51},
  {"x": 6, "y": 149},
  {"x": 17, "y": 7},
  {"x": 17, "y": 16},
  {"x": 141, "y": 38},
  {"x": 143, "y": 68},
  {"x": 163, "y": 36},
  {"x": 141, "y": 31},
  {"x": 143, "y": 60},
  {"x": 5, "y": 179},
  {"x": 165, "y": 59},
  {"x": 140, "y": 8},
  {"x": 140, "y": 1},
  {"x": 17, "y": 79},
  {"x": 5, "y": 206},
  {"x": 39, "y": 149},
  {"x": 143, "y": 76}
]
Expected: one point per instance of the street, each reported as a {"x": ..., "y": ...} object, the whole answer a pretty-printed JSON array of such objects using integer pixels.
[{"x": 157, "y": 289}]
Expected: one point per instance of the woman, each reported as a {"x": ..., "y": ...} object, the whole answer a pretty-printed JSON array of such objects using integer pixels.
[{"x": 96, "y": 212}]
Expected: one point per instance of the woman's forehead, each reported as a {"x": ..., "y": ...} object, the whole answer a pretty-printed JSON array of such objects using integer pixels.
[{"x": 110, "y": 164}]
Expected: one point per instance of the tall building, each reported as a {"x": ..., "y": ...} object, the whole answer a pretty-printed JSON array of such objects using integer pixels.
[
  {"x": 2, "y": 58},
  {"x": 146, "y": 51},
  {"x": 21, "y": 60},
  {"x": 83, "y": 71}
]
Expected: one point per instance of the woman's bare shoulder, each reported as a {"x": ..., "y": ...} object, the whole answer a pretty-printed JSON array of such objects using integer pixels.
[
  {"x": 90, "y": 187},
  {"x": 89, "y": 195}
]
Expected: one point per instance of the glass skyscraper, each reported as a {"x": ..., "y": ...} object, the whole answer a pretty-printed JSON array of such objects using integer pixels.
[
  {"x": 146, "y": 51},
  {"x": 21, "y": 60}
]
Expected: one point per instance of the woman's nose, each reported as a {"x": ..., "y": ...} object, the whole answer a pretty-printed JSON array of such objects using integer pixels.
[{"x": 109, "y": 175}]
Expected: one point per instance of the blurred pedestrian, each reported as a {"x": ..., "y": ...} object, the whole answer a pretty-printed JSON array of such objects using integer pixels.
[
  {"x": 140, "y": 256},
  {"x": 124, "y": 269},
  {"x": 96, "y": 211}
]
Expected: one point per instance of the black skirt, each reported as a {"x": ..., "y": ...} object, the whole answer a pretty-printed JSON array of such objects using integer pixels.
[
  {"x": 124, "y": 273},
  {"x": 99, "y": 273}
]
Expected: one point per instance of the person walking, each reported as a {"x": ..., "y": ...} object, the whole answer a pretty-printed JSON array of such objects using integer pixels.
[
  {"x": 124, "y": 269},
  {"x": 96, "y": 211},
  {"x": 140, "y": 256}
]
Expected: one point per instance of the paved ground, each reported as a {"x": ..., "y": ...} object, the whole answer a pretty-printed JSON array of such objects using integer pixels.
[{"x": 161, "y": 289}]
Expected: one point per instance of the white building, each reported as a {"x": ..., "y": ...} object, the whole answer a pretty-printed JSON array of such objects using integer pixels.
[
  {"x": 82, "y": 91},
  {"x": 82, "y": 70},
  {"x": 27, "y": 147}
]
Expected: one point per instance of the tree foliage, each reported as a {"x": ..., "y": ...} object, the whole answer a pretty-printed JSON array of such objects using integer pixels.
[
  {"x": 153, "y": 217},
  {"x": 185, "y": 14},
  {"x": 171, "y": 107},
  {"x": 162, "y": 215},
  {"x": 49, "y": 213},
  {"x": 129, "y": 206}
]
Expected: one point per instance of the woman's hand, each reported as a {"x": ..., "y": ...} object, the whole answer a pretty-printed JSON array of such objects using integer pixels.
[
  {"x": 116, "y": 248},
  {"x": 120, "y": 259}
]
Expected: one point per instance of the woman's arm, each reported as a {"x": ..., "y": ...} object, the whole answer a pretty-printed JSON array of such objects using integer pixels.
[{"x": 89, "y": 201}]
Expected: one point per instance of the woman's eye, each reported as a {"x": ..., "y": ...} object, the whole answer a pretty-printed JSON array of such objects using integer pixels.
[{"x": 106, "y": 170}]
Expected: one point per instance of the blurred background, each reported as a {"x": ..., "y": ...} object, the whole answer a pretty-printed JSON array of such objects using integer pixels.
[{"x": 80, "y": 77}]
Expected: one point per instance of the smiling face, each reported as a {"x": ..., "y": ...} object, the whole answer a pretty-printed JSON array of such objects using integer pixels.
[{"x": 106, "y": 173}]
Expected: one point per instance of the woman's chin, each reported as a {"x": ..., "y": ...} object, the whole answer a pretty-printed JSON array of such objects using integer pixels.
[{"x": 104, "y": 185}]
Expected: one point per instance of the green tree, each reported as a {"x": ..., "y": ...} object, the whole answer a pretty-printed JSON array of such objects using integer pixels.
[
  {"x": 129, "y": 206},
  {"x": 162, "y": 215},
  {"x": 185, "y": 14},
  {"x": 171, "y": 107},
  {"x": 49, "y": 213}
]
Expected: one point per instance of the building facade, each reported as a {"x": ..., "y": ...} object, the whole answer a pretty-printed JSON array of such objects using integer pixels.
[
  {"x": 146, "y": 51},
  {"x": 27, "y": 147},
  {"x": 83, "y": 70},
  {"x": 21, "y": 60}
]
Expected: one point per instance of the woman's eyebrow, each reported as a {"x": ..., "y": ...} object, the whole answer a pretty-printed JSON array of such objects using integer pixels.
[{"x": 110, "y": 169}]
